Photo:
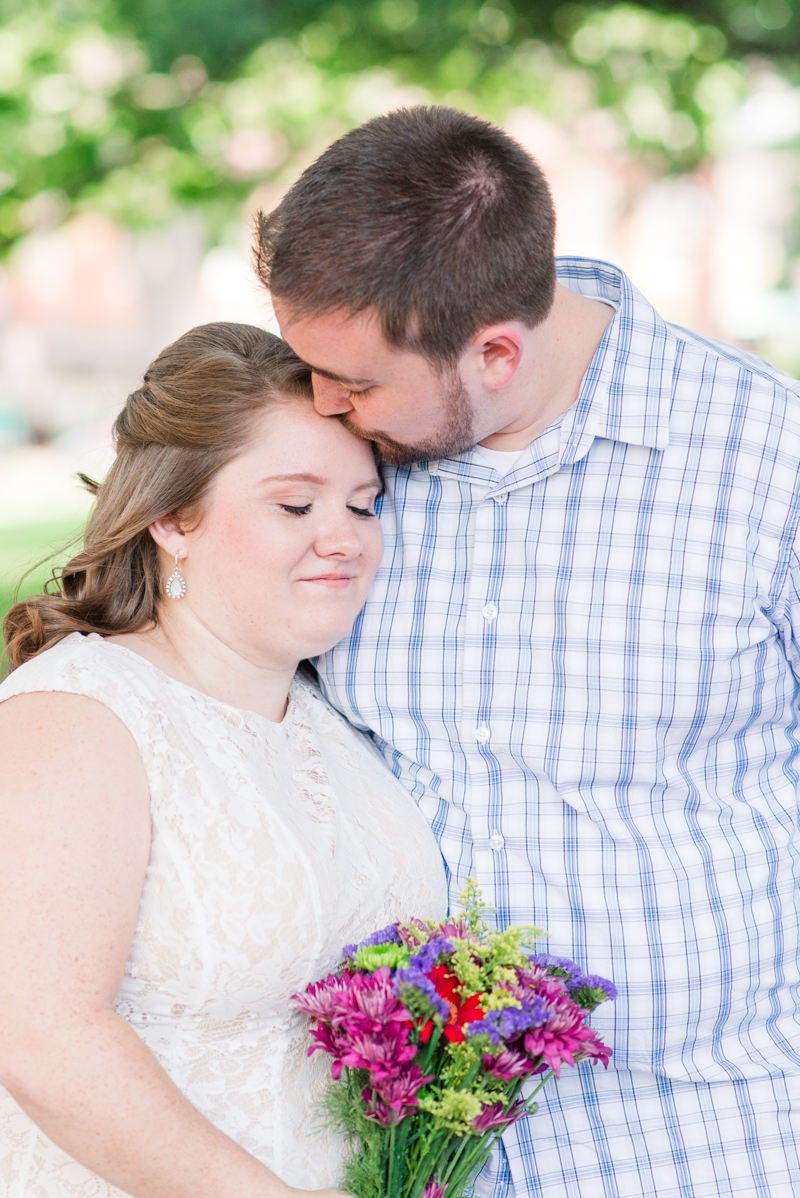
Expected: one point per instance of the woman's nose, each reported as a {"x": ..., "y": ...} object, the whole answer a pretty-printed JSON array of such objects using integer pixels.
[
  {"x": 329, "y": 398},
  {"x": 339, "y": 537}
]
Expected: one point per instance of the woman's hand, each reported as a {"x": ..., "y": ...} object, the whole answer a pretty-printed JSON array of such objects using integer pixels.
[
  {"x": 321, "y": 1194},
  {"x": 74, "y": 847}
]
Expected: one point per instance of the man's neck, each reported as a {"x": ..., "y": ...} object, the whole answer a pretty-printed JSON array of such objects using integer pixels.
[{"x": 557, "y": 355}]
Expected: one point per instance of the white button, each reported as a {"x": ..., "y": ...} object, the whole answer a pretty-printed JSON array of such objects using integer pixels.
[
  {"x": 500, "y": 497},
  {"x": 490, "y": 611},
  {"x": 496, "y": 842},
  {"x": 482, "y": 733}
]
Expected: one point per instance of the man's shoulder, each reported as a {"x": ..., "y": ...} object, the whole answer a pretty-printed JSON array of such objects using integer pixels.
[{"x": 731, "y": 361}]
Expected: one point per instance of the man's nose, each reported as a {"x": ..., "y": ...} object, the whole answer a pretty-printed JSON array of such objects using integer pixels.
[{"x": 329, "y": 398}]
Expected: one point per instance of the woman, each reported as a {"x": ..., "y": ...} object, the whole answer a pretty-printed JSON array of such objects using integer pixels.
[{"x": 188, "y": 833}]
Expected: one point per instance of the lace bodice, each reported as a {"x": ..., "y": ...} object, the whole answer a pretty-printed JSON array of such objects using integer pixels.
[{"x": 272, "y": 846}]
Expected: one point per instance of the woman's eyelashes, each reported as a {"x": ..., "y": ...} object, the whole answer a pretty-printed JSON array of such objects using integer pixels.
[{"x": 304, "y": 509}]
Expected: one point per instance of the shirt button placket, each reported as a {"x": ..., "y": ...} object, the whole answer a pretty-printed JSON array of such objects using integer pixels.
[{"x": 487, "y": 569}]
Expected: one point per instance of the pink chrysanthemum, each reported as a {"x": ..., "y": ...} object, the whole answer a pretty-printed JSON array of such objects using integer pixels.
[
  {"x": 319, "y": 1000},
  {"x": 434, "y": 1189},
  {"x": 370, "y": 1000},
  {"x": 507, "y": 1064},
  {"x": 383, "y": 1053},
  {"x": 395, "y": 1096},
  {"x": 563, "y": 1037},
  {"x": 497, "y": 1116}
]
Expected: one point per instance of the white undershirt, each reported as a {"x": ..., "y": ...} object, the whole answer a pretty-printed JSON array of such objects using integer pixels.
[{"x": 502, "y": 460}]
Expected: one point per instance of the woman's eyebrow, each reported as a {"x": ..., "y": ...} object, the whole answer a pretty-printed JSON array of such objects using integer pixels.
[
  {"x": 294, "y": 478},
  {"x": 314, "y": 478}
]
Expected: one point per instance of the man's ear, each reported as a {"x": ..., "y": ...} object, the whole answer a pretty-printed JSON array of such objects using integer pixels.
[{"x": 499, "y": 348}]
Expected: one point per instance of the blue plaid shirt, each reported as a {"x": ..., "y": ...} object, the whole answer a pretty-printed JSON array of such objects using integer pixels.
[{"x": 586, "y": 674}]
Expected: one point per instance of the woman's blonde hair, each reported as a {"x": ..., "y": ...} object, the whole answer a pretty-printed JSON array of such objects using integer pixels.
[{"x": 192, "y": 414}]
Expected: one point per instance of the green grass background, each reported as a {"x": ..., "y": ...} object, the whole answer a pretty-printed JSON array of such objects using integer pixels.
[{"x": 25, "y": 546}]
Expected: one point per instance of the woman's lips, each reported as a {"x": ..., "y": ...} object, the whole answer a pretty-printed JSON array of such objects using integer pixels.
[{"x": 335, "y": 581}]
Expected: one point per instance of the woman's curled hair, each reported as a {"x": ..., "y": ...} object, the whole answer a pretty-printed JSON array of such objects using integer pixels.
[{"x": 192, "y": 414}]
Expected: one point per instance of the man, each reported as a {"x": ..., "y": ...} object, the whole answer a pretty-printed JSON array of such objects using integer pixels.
[{"x": 580, "y": 655}]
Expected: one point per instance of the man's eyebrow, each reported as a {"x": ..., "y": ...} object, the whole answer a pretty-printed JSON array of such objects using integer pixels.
[{"x": 338, "y": 378}]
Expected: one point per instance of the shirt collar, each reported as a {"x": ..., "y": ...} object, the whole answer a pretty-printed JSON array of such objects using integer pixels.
[{"x": 625, "y": 394}]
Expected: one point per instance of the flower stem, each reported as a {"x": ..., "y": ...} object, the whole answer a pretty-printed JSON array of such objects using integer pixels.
[{"x": 390, "y": 1179}]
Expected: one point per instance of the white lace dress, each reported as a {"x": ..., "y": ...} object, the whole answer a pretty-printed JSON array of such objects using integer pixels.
[{"x": 273, "y": 845}]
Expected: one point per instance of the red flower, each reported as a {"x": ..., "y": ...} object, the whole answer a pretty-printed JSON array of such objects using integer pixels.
[{"x": 461, "y": 1013}]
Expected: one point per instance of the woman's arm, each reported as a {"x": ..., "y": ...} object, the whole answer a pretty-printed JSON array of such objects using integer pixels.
[{"x": 74, "y": 846}]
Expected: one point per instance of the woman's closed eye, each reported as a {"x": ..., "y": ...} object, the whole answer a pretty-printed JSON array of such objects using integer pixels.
[{"x": 304, "y": 509}]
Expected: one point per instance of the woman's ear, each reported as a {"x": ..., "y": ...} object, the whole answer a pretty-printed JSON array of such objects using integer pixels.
[{"x": 169, "y": 536}]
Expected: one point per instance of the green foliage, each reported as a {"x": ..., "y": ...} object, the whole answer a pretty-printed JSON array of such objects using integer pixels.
[
  {"x": 137, "y": 108},
  {"x": 344, "y": 1112},
  {"x": 24, "y": 547},
  {"x": 461, "y": 1059},
  {"x": 374, "y": 956}
]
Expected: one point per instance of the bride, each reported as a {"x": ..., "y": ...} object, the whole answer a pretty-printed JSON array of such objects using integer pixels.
[{"x": 188, "y": 833}]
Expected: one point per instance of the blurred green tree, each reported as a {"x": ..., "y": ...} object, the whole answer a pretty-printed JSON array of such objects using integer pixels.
[{"x": 138, "y": 108}]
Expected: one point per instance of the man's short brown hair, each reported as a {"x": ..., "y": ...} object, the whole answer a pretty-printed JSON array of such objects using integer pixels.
[{"x": 437, "y": 221}]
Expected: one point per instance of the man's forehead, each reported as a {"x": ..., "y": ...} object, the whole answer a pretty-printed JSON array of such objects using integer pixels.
[
  {"x": 348, "y": 348},
  {"x": 335, "y": 322}
]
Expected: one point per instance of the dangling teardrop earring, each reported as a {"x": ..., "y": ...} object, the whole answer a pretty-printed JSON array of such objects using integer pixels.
[{"x": 176, "y": 583}]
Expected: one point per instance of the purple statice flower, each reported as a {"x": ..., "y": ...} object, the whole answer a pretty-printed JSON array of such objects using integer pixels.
[
  {"x": 593, "y": 981},
  {"x": 388, "y": 935},
  {"x": 434, "y": 1189},
  {"x": 318, "y": 1000},
  {"x": 383, "y": 1053},
  {"x": 413, "y": 979},
  {"x": 428, "y": 954},
  {"x": 485, "y": 1027},
  {"x": 571, "y": 972},
  {"x": 507, "y": 1064},
  {"x": 514, "y": 1020},
  {"x": 509, "y": 1022},
  {"x": 369, "y": 1001},
  {"x": 574, "y": 977},
  {"x": 395, "y": 1095},
  {"x": 497, "y": 1116}
]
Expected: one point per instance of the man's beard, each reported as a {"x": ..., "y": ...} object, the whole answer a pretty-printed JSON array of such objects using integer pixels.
[{"x": 455, "y": 435}]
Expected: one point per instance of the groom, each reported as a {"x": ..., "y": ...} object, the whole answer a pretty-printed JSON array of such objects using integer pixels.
[{"x": 581, "y": 652}]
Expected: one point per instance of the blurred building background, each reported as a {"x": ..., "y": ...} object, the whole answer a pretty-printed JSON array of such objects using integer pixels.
[{"x": 137, "y": 140}]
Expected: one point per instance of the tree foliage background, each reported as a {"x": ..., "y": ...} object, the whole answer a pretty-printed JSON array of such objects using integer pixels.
[{"x": 137, "y": 108}]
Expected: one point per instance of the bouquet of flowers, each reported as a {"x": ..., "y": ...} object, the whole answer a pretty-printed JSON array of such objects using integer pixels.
[{"x": 434, "y": 1029}]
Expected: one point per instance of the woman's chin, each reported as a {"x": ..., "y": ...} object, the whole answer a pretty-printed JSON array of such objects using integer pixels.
[{"x": 322, "y": 638}]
